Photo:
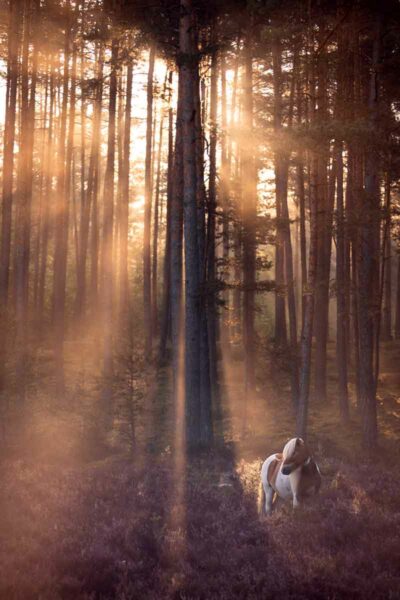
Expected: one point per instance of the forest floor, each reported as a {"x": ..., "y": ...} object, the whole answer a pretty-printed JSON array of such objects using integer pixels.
[{"x": 150, "y": 525}]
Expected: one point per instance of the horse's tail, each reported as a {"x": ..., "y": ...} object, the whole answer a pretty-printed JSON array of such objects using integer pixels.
[{"x": 261, "y": 500}]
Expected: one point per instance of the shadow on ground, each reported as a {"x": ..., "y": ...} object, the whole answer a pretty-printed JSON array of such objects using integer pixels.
[{"x": 132, "y": 526}]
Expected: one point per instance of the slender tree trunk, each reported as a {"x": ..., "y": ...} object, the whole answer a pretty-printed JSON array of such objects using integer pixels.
[
  {"x": 236, "y": 205},
  {"x": 281, "y": 182},
  {"x": 367, "y": 262},
  {"x": 224, "y": 192},
  {"x": 387, "y": 268},
  {"x": 48, "y": 193},
  {"x": 307, "y": 331},
  {"x": 381, "y": 250},
  {"x": 154, "y": 291},
  {"x": 249, "y": 192},
  {"x": 324, "y": 217},
  {"x": 93, "y": 193},
  {"x": 24, "y": 195},
  {"x": 124, "y": 216},
  {"x": 342, "y": 280},
  {"x": 211, "y": 282},
  {"x": 205, "y": 341},
  {"x": 107, "y": 240},
  {"x": 9, "y": 139},
  {"x": 40, "y": 208},
  {"x": 303, "y": 238},
  {"x": 187, "y": 75},
  {"x": 166, "y": 305},
  {"x": 61, "y": 226},
  {"x": 309, "y": 291},
  {"x": 8, "y": 177},
  {"x": 176, "y": 266},
  {"x": 147, "y": 299},
  {"x": 341, "y": 306}
]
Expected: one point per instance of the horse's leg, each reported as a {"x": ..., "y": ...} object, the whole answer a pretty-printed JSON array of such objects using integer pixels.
[
  {"x": 295, "y": 485},
  {"x": 269, "y": 496}
]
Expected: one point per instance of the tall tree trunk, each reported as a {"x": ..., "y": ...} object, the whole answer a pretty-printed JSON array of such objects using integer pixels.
[
  {"x": 166, "y": 304},
  {"x": 176, "y": 266},
  {"x": 301, "y": 195},
  {"x": 341, "y": 306},
  {"x": 236, "y": 205},
  {"x": 188, "y": 73},
  {"x": 309, "y": 291},
  {"x": 249, "y": 192},
  {"x": 48, "y": 192},
  {"x": 307, "y": 330},
  {"x": 8, "y": 176},
  {"x": 203, "y": 241},
  {"x": 24, "y": 194},
  {"x": 281, "y": 183},
  {"x": 387, "y": 267},
  {"x": 62, "y": 215},
  {"x": 367, "y": 261},
  {"x": 41, "y": 203},
  {"x": 224, "y": 191},
  {"x": 124, "y": 216},
  {"x": 107, "y": 240},
  {"x": 9, "y": 139},
  {"x": 147, "y": 300},
  {"x": 342, "y": 280},
  {"x": 93, "y": 193},
  {"x": 324, "y": 218},
  {"x": 154, "y": 266},
  {"x": 211, "y": 281}
]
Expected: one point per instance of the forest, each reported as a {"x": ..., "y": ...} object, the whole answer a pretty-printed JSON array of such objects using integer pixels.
[{"x": 199, "y": 260}]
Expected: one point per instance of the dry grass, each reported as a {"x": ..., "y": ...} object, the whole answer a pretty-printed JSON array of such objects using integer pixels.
[{"x": 115, "y": 528}]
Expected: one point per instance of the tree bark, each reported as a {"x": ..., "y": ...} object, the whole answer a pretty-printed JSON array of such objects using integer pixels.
[
  {"x": 341, "y": 305},
  {"x": 93, "y": 193},
  {"x": 198, "y": 428},
  {"x": 48, "y": 193},
  {"x": 282, "y": 158},
  {"x": 324, "y": 224},
  {"x": 9, "y": 140},
  {"x": 307, "y": 331},
  {"x": 107, "y": 282},
  {"x": 124, "y": 212},
  {"x": 166, "y": 304},
  {"x": 176, "y": 266},
  {"x": 211, "y": 282},
  {"x": 147, "y": 299},
  {"x": 24, "y": 194},
  {"x": 62, "y": 216},
  {"x": 249, "y": 214},
  {"x": 157, "y": 196},
  {"x": 367, "y": 260},
  {"x": 387, "y": 267},
  {"x": 187, "y": 74}
]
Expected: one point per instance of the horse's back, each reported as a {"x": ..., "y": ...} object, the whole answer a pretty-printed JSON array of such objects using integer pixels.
[{"x": 270, "y": 467}]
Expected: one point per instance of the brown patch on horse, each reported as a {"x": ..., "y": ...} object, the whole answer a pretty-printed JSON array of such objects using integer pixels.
[
  {"x": 273, "y": 470},
  {"x": 310, "y": 480}
]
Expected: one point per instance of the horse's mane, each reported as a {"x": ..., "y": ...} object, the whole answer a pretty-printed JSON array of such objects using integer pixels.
[{"x": 289, "y": 448}]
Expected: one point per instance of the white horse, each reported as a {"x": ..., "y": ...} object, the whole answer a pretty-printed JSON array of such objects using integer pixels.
[{"x": 291, "y": 475}]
